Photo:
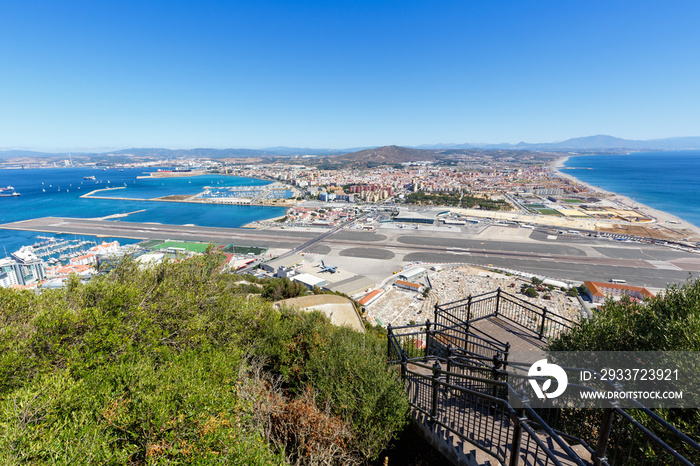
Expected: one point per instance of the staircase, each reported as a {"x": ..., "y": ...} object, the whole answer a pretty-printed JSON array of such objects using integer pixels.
[{"x": 454, "y": 371}]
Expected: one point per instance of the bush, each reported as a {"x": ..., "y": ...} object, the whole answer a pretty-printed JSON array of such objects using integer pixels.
[
  {"x": 346, "y": 369},
  {"x": 283, "y": 288},
  {"x": 670, "y": 322},
  {"x": 145, "y": 366}
]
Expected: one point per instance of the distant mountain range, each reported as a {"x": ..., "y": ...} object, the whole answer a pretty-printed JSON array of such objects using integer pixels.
[
  {"x": 588, "y": 143},
  {"x": 180, "y": 153}
]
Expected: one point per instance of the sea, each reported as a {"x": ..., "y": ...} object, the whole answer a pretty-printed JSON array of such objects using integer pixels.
[
  {"x": 56, "y": 192},
  {"x": 667, "y": 181}
]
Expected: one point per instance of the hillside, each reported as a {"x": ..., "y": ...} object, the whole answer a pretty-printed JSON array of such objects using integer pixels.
[
  {"x": 386, "y": 155},
  {"x": 180, "y": 364}
]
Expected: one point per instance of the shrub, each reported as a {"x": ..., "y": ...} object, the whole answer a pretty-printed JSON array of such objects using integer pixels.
[
  {"x": 347, "y": 370},
  {"x": 144, "y": 366}
]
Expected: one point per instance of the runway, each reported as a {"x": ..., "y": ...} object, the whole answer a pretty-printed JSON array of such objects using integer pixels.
[{"x": 577, "y": 260}]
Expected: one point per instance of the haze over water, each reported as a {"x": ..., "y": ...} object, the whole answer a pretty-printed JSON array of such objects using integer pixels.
[
  {"x": 44, "y": 200},
  {"x": 666, "y": 181}
]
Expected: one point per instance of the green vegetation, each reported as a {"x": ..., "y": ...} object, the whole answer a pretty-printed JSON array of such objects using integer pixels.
[
  {"x": 670, "y": 322},
  {"x": 456, "y": 199},
  {"x": 549, "y": 212},
  {"x": 179, "y": 364},
  {"x": 574, "y": 201},
  {"x": 149, "y": 244},
  {"x": 192, "y": 247},
  {"x": 667, "y": 323},
  {"x": 277, "y": 289}
]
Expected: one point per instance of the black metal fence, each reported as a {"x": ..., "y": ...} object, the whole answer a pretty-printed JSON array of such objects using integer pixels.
[
  {"x": 487, "y": 422},
  {"x": 458, "y": 379},
  {"x": 538, "y": 320}
]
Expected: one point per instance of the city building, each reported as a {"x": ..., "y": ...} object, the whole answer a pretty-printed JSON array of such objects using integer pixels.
[
  {"x": 23, "y": 268},
  {"x": 598, "y": 292},
  {"x": 404, "y": 285},
  {"x": 370, "y": 297},
  {"x": 288, "y": 262},
  {"x": 310, "y": 281},
  {"x": 9, "y": 272},
  {"x": 412, "y": 274}
]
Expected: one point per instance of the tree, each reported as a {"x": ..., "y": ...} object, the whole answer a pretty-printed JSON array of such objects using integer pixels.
[
  {"x": 530, "y": 292},
  {"x": 283, "y": 288}
]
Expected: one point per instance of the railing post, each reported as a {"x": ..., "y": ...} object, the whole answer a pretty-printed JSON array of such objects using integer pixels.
[
  {"x": 497, "y": 362},
  {"x": 604, "y": 435},
  {"x": 449, "y": 365},
  {"x": 404, "y": 364},
  {"x": 518, "y": 419},
  {"x": 469, "y": 308},
  {"x": 544, "y": 318},
  {"x": 435, "y": 313},
  {"x": 435, "y": 380},
  {"x": 389, "y": 335},
  {"x": 498, "y": 301},
  {"x": 428, "y": 339}
]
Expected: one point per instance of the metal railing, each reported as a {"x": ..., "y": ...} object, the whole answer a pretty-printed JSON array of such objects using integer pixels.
[
  {"x": 490, "y": 423},
  {"x": 469, "y": 396},
  {"x": 536, "y": 319},
  {"x": 419, "y": 341}
]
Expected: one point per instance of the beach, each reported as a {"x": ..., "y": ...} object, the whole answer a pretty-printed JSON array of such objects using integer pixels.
[{"x": 672, "y": 222}]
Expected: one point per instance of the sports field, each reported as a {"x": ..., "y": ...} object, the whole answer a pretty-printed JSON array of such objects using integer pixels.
[
  {"x": 549, "y": 212},
  {"x": 192, "y": 247}
]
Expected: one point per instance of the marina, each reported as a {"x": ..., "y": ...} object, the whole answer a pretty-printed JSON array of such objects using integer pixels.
[{"x": 54, "y": 250}]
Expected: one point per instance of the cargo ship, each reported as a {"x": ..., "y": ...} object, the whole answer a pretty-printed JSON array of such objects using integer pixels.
[{"x": 89, "y": 177}]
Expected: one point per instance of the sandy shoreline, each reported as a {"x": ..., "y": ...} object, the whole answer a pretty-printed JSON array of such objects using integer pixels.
[{"x": 663, "y": 218}]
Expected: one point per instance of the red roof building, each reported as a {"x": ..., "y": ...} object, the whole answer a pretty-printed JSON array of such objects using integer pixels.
[
  {"x": 370, "y": 297},
  {"x": 599, "y": 291}
]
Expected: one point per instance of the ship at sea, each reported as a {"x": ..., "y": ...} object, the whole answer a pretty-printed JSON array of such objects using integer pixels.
[
  {"x": 175, "y": 170},
  {"x": 8, "y": 192},
  {"x": 92, "y": 177}
]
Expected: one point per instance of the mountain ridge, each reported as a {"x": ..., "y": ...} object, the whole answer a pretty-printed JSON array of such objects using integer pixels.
[{"x": 586, "y": 143}]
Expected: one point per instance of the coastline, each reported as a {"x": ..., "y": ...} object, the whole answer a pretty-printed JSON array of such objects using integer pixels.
[{"x": 662, "y": 218}]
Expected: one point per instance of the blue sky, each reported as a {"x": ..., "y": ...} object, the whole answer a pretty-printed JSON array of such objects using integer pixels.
[{"x": 184, "y": 74}]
